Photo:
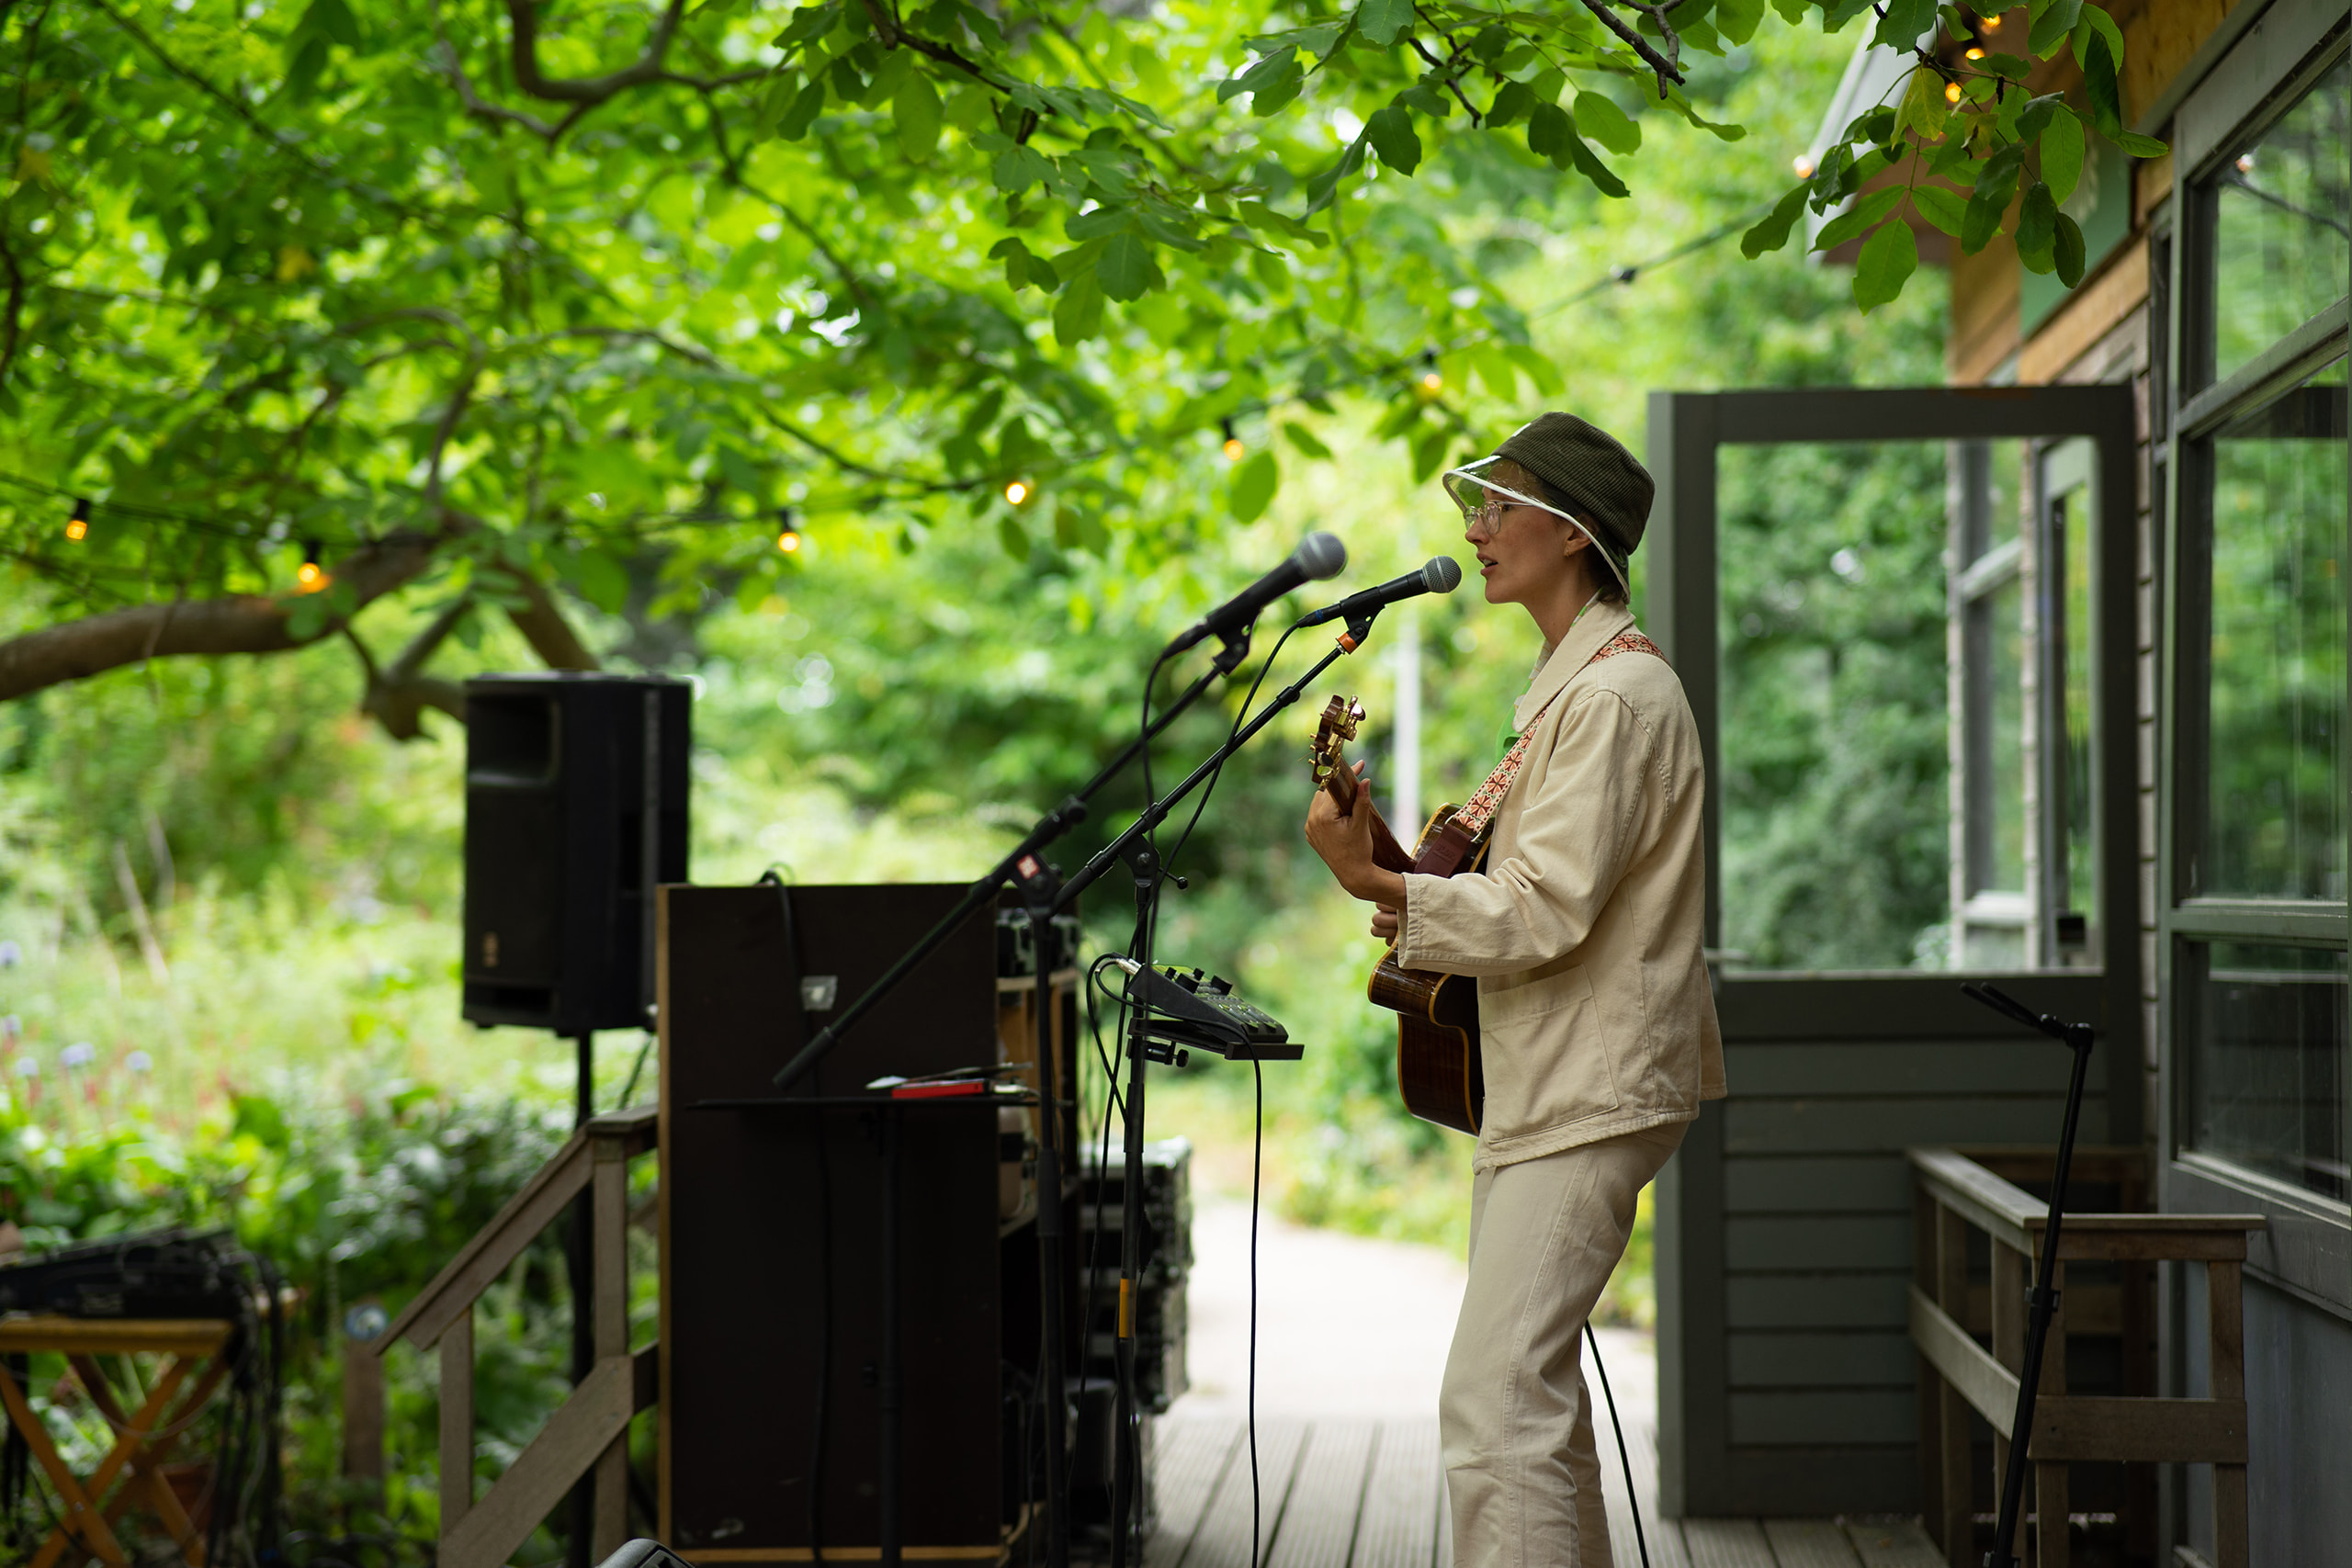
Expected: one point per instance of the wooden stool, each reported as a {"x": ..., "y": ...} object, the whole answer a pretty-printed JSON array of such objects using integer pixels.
[{"x": 144, "y": 1438}]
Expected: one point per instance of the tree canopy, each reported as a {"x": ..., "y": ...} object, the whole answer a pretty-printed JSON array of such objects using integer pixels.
[{"x": 306, "y": 306}]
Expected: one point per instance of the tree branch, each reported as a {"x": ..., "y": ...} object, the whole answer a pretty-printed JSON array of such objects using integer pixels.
[
  {"x": 543, "y": 625},
  {"x": 522, "y": 17},
  {"x": 1667, "y": 69},
  {"x": 397, "y": 696},
  {"x": 242, "y": 623}
]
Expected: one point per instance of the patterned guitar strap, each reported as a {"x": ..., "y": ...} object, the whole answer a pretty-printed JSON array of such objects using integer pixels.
[{"x": 1487, "y": 798}]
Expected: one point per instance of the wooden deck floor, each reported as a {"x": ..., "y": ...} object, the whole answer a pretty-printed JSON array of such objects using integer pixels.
[{"x": 1366, "y": 1494}]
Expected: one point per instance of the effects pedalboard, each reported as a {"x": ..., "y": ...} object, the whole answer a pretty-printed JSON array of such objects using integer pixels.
[{"x": 1181, "y": 1008}]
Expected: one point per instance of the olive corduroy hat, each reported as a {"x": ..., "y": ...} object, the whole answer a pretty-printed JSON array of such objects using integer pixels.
[{"x": 1608, "y": 491}]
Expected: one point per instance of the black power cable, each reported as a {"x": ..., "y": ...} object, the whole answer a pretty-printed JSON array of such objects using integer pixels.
[{"x": 1632, "y": 1498}]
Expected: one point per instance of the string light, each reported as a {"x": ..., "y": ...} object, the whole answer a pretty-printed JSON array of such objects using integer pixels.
[
  {"x": 788, "y": 537},
  {"x": 77, "y": 527},
  {"x": 1432, "y": 380},
  {"x": 1975, "y": 55},
  {"x": 310, "y": 576},
  {"x": 1804, "y": 166},
  {"x": 1952, "y": 92},
  {"x": 1232, "y": 444},
  {"x": 1019, "y": 491},
  {"x": 1990, "y": 24}
]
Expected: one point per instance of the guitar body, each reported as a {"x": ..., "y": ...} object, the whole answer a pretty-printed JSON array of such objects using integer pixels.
[{"x": 1439, "y": 1073}]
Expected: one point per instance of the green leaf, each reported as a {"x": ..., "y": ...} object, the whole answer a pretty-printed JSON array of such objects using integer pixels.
[
  {"x": 2095, "y": 20},
  {"x": 1940, "y": 208},
  {"x": 1305, "y": 440},
  {"x": 1255, "y": 480},
  {"x": 1593, "y": 169},
  {"x": 2052, "y": 21},
  {"x": 2067, "y": 248},
  {"x": 1905, "y": 23},
  {"x": 918, "y": 111},
  {"x": 1326, "y": 186},
  {"x": 1865, "y": 211},
  {"x": 1540, "y": 370},
  {"x": 1925, "y": 111},
  {"x": 1078, "y": 314},
  {"x": 1391, "y": 132},
  {"x": 804, "y": 111},
  {"x": 1014, "y": 536},
  {"x": 1600, "y": 118},
  {"x": 1385, "y": 21},
  {"x": 1021, "y": 269},
  {"x": 2140, "y": 146},
  {"x": 1512, "y": 102},
  {"x": 1791, "y": 11},
  {"x": 1429, "y": 453},
  {"x": 1772, "y": 232},
  {"x": 1125, "y": 268},
  {"x": 1263, "y": 80},
  {"x": 1017, "y": 170},
  {"x": 2038, "y": 228},
  {"x": 2099, "y": 87},
  {"x": 1549, "y": 131},
  {"x": 601, "y": 581},
  {"x": 1098, "y": 224},
  {"x": 1888, "y": 259},
  {"x": 1738, "y": 19},
  {"x": 333, "y": 18},
  {"x": 2062, "y": 154}
]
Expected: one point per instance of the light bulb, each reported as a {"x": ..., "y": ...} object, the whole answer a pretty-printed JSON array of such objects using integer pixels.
[
  {"x": 1952, "y": 92},
  {"x": 77, "y": 527},
  {"x": 1804, "y": 166},
  {"x": 1017, "y": 492},
  {"x": 1975, "y": 55},
  {"x": 1432, "y": 380},
  {"x": 1990, "y": 24},
  {"x": 788, "y": 541}
]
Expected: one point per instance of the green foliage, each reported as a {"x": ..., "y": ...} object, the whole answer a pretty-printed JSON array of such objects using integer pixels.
[{"x": 323, "y": 271}]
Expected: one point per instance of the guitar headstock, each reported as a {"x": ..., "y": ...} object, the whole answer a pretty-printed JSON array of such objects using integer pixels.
[{"x": 1333, "y": 733}]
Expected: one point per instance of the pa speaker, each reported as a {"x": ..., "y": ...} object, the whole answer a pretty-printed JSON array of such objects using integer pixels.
[{"x": 575, "y": 810}]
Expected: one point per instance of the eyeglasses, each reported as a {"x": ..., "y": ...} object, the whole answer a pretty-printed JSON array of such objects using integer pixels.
[{"x": 1490, "y": 514}]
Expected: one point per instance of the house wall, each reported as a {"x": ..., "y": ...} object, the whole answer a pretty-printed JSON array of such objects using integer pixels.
[{"x": 2297, "y": 1350}]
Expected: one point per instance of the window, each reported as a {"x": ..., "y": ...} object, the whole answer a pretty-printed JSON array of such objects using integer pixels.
[
  {"x": 2254, "y": 918},
  {"x": 1991, "y": 909},
  {"x": 2068, "y": 849}
]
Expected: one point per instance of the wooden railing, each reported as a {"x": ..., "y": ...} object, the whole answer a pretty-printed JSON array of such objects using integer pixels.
[
  {"x": 591, "y": 1428},
  {"x": 1953, "y": 1194}
]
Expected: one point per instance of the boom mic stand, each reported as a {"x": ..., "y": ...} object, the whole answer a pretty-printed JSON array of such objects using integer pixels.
[
  {"x": 1025, "y": 867},
  {"x": 2077, "y": 1038},
  {"x": 1132, "y": 847}
]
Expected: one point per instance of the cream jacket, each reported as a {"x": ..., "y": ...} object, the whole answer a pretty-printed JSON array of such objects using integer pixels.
[{"x": 1584, "y": 928}]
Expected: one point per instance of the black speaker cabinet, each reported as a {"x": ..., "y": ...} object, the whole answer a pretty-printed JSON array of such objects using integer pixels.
[
  {"x": 575, "y": 810},
  {"x": 772, "y": 1221}
]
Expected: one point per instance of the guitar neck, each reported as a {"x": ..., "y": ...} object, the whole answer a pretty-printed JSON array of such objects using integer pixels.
[{"x": 1387, "y": 853}]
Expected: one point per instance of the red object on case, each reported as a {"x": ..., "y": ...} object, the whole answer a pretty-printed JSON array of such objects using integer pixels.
[{"x": 954, "y": 1088}]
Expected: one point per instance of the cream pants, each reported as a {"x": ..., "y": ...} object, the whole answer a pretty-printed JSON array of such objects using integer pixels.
[{"x": 1522, "y": 1476}]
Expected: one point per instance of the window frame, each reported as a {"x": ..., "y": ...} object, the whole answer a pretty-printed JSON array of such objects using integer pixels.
[{"x": 2307, "y": 1249}]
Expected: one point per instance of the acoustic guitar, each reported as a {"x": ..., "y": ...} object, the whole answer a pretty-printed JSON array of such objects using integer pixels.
[{"x": 1439, "y": 1071}]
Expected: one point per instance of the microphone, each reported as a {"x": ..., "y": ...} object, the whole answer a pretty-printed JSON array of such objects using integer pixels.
[
  {"x": 1318, "y": 556},
  {"x": 1441, "y": 575}
]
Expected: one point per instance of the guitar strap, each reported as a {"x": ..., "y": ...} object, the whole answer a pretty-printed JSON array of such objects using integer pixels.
[{"x": 1489, "y": 797}]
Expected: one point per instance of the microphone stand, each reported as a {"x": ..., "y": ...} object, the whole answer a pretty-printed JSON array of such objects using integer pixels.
[
  {"x": 2077, "y": 1038},
  {"x": 1133, "y": 846},
  {"x": 1026, "y": 868}
]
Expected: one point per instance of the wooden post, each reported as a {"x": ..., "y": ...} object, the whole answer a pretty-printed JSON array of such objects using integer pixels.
[
  {"x": 362, "y": 1402},
  {"x": 2006, "y": 1300},
  {"x": 608, "y": 1235},
  {"x": 1924, "y": 1210},
  {"x": 2049, "y": 1498},
  {"x": 1955, "y": 1490},
  {"x": 2224, "y": 1310},
  {"x": 457, "y": 1420}
]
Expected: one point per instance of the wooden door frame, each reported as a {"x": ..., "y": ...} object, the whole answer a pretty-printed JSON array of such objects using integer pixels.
[{"x": 1680, "y": 608}]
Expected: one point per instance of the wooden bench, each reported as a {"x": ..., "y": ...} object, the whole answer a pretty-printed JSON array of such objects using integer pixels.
[
  {"x": 1954, "y": 1194},
  {"x": 590, "y": 1429}
]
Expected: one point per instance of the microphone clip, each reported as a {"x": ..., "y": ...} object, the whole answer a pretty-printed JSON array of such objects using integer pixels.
[{"x": 1358, "y": 628}]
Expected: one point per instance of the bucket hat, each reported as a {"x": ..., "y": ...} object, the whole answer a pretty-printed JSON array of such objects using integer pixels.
[{"x": 1608, "y": 491}]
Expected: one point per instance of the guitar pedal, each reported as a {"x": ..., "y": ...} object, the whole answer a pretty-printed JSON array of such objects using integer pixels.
[{"x": 1193, "y": 1007}]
